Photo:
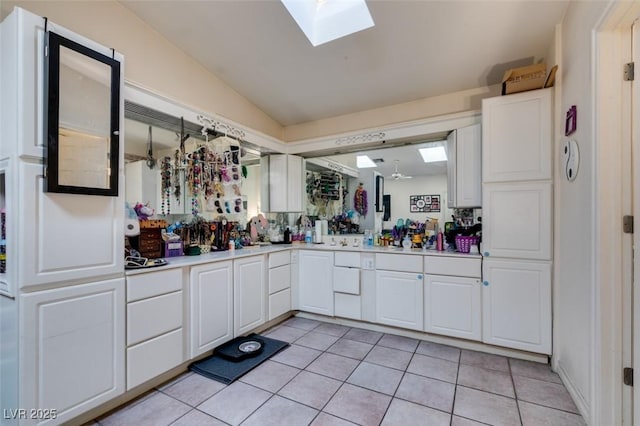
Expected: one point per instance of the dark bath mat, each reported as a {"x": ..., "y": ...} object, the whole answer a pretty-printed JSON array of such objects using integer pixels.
[{"x": 228, "y": 362}]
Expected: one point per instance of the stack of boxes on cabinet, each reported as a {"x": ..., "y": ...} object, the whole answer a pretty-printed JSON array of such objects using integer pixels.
[{"x": 517, "y": 220}]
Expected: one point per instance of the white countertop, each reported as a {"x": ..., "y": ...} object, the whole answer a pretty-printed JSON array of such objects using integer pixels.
[{"x": 180, "y": 261}]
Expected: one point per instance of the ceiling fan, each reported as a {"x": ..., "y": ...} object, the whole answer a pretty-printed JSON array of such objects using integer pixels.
[{"x": 397, "y": 175}]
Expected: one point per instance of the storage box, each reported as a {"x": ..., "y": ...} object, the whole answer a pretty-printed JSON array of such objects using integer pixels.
[
  {"x": 172, "y": 248},
  {"x": 527, "y": 78}
]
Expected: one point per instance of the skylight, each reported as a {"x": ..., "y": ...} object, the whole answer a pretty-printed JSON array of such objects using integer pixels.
[
  {"x": 433, "y": 154},
  {"x": 326, "y": 20},
  {"x": 364, "y": 162}
]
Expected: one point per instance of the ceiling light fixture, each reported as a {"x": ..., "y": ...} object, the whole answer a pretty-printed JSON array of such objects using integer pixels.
[
  {"x": 433, "y": 154},
  {"x": 326, "y": 20},
  {"x": 364, "y": 162}
]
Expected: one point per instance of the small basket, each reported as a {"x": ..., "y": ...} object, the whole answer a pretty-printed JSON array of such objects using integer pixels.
[{"x": 464, "y": 243}]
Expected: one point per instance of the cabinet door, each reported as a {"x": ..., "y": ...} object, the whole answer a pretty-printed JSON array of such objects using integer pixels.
[
  {"x": 451, "y": 169},
  {"x": 73, "y": 347},
  {"x": 516, "y": 137},
  {"x": 468, "y": 181},
  {"x": 517, "y": 220},
  {"x": 516, "y": 305},
  {"x": 65, "y": 236},
  {"x": 399, "y": 299},
  {"x": 316, "y": 282},
  {"x": 295, "y": 172},
  {"x": 249, "y": 294},
  {"x": 211, "y": 306},
  {"x": 452, "y": 306}
]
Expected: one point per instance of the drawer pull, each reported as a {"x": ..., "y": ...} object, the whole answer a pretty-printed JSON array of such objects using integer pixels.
[
  {"x": 485, "y": 283},
  {"x": 486, "y": 254}
]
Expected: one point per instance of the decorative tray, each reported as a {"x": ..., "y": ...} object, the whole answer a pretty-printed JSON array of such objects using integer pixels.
[{"x": 143, "y": 263}]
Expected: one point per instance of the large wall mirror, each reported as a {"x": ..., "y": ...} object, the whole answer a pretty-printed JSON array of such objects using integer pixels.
[
  {"x": 82, "y": 118},
  {"x": 160, "y": 149}
]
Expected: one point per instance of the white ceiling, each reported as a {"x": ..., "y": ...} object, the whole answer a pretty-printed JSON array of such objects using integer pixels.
[{"x": 417, "y": 49}]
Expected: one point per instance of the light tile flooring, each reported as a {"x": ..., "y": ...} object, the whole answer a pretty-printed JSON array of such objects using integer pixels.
[{"x": 336, "y": 375}]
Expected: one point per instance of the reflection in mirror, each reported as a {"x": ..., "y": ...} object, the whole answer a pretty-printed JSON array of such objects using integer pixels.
[
  {"x": 82, "y": 119},
  {"x": 426, "y": 179},
  {"x": 216, "y": 176}
]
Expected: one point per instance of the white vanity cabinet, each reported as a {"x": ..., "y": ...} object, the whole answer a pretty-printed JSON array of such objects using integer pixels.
[
  {"x": 211, "y": 306},
  {"x": 73, "y": 347},
  {"x": 282, "y": 183},
  {"x": 346, "y": 285},
  {"x": 464, "y": 167},
  {"x": 516, "y": 299},
  {"x": 279, "y": 283},
  {"x": 517, "y": 137},
  {"x": 315, "y": 286},
  {"x": 399, "y": 290},
  {"x": 399, "y": 299},
  {"x": 249, "y": 294},
  {"x": 453, "y": 296},
  {"x": 155, "y": 336}
]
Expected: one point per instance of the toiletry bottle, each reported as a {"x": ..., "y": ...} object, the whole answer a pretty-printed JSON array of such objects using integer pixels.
[
  {"x": 406, "y": 243},
  {"x": 307, "y": 237},
  {"x": 287, "y": 236},
  {"x": 439, "y": 242},
  {"x": 370, "y": 239}
]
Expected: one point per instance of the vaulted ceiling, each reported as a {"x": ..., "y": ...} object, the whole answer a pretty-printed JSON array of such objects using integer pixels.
[{"x": 417, "y": 49}]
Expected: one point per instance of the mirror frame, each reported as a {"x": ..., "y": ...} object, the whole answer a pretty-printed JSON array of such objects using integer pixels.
[{"x": 53, "y": 42}]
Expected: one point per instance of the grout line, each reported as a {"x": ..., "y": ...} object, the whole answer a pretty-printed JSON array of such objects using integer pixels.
[{"x": 515, "y": 391}]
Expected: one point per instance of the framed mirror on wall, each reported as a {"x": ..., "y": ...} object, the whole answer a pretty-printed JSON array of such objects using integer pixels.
[{"x": 82, "y": 118}]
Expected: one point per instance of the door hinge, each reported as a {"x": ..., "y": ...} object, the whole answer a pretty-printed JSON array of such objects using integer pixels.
[
  {"x": 627, "y": 376},
  {"x": 627, "y": 224},
  {"x": 628, "y": 72}
]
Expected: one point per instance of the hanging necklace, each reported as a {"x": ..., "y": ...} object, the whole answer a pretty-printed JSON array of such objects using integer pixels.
[{"x": 165, "y": 173}]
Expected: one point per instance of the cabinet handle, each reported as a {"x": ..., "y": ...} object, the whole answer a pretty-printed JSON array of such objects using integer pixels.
[
  {"x": 486, "y": 254},
  {"x": 485, "y": 283},
  {"x": 419, "y": 277}
]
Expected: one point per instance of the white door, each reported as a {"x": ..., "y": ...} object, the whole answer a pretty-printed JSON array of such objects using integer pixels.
[
  {"x": 452, "y": 306},
  {"x": 73, "y": 347},
  {"x": 211, "y": 294},
  {"x": 399, "y": 299},
  {"x": 315, "y": 288},
  {"x": 249, "y": 294},
  {"x": 517, "y": 220},
  {"x": 516, "y": 304}
]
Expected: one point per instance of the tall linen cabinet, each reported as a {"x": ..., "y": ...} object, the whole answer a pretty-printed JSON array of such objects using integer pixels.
[
  {"x": 517, "y": 189},
  {"x": 62, "y": 295}
]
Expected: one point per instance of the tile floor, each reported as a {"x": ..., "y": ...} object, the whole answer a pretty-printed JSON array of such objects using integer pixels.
[{"x": 337, "y": 375}]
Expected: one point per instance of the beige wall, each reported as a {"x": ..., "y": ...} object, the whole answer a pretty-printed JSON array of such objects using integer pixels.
[
  {"x": 575, "y": 213},
  {"x": 467, "y": 100}
]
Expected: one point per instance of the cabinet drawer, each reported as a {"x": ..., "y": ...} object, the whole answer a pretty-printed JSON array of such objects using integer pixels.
[
  {"x": 279, "y": 258},
  {"x": 399, "y": 262},
  {"x": 347, "y": 306},
  {"x": 153, "y": 284},
  {"x": 152, "y": 358},
  {"x": 347, "y": 259},
  {"x": 279, "y": 278},
  {"x": 152, "y": 317},
  {"x": 457, "y": 266},
  {"x": 279, "y": 303},
  {"x": 346, "y": 280}
]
